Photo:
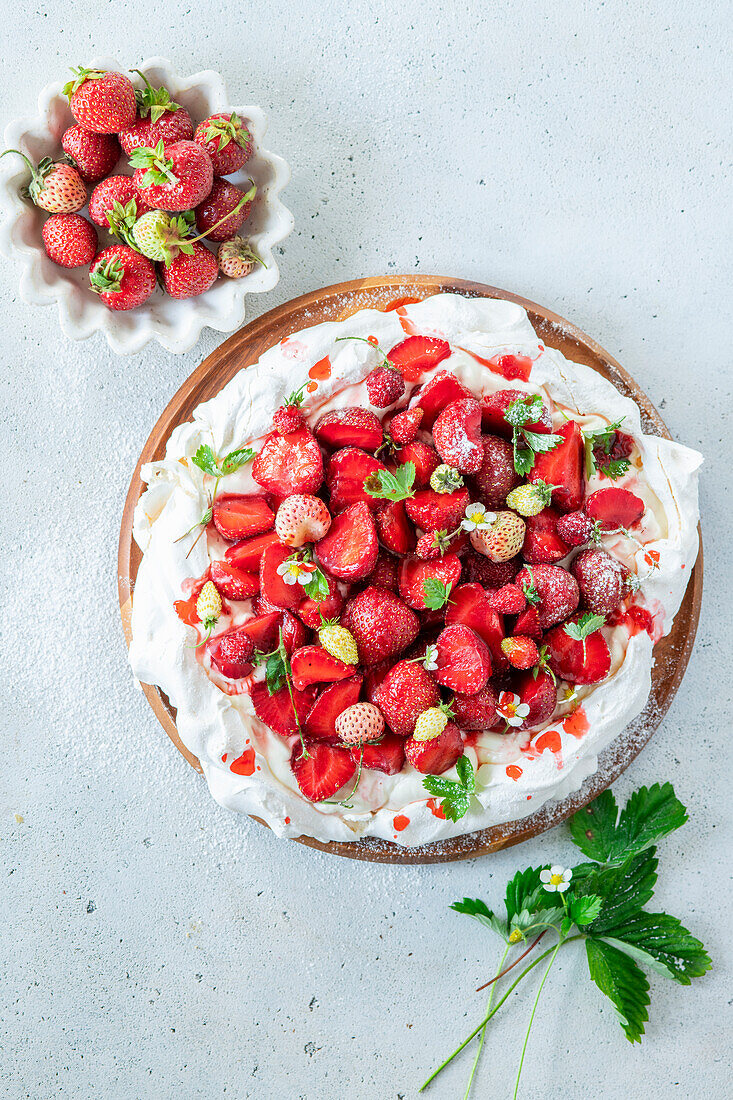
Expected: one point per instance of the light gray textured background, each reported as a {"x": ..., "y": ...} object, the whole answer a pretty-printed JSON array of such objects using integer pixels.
[{"x": 153, "y": 945}]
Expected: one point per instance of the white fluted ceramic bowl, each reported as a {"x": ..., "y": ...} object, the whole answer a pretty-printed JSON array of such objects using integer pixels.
[{"x": 175, "y": 324}]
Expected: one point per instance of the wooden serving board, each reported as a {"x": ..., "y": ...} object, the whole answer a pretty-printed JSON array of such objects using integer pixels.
[{"x": 334, "y": 303}]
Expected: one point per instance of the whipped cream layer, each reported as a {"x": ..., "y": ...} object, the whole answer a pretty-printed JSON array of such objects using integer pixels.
[{"x": 516, "y": 773}]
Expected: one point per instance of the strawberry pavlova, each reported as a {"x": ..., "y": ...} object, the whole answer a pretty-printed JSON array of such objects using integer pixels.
[{"x": 403, "y": 577}]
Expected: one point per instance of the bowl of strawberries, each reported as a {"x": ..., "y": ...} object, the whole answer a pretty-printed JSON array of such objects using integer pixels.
[{"x": 143, "y": 204}]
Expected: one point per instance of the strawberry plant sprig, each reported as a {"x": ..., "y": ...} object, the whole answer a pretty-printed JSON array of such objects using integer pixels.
[
  {"x": 604, "y": 901},
  {"x": 210, "y": 464},
  {"x": 587, "y": 624},
  {"x": 601, "y": 441},
  {"x": 527, "y": 444},
  {"x": 392, "y": 486},
  {"x": 456, "y": 796},
  {"x": 436, "y": 593}
]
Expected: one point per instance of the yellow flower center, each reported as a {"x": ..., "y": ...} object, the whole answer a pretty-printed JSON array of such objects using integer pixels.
[{"x": 555, "y": 879}]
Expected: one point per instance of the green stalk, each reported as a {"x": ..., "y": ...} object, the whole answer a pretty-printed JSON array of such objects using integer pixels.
[
  {"x": 482, "y": 1036},
  {"x": 558, "y": 945}
]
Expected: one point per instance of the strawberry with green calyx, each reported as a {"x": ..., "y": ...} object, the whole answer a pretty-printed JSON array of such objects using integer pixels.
[
  {"x": 288, "y": 417},
  {"x": 338, "y": 641},
  {"x": 445, "y": 479},
  {"x": 435, "y": 544},
  {"x": 531, "y": 498},
  {"x": 161, "y": 236},
  {"x": 190, "y": 274},
  {"x": 154, "y": 102},
  {"x": 237, "y": 258},
  {"x": 431, "y": 722},
  {"x": 57, "y": 188},
  {"x": 122, "y": 278},
  {"x": 172, "y": 177},
  {"x": 101, "y": 101},
  {"x": 227, "y": 141},
  {"x": 385, "y": 383},
  {"x": 118, "y": 195},
  {"x": 158, "y": 118},
  {"x": 526, "y": 443},
  {"x": 208, "y": 608}
]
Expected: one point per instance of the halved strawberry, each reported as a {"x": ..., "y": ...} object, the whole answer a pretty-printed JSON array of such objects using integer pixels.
[
  {"x": 238, "y": 517},
  {"x": 424, "y": 458},
  {"x": 262, "y": 630},
  {"x": 418, "y": 354},
  {"x": 289, "y": 464},
  {"x": 556, "y": 588},
  {"x": 350, "y": 427},
  {"x": 272, "y": 585},
  {"x": 404, "y": 427},
  {"x": 438, "y": 755},
  {"x": 528, "y": 624},
  {"x": 373, "y": 677},
  {"x": 542, "y": 544},
  {"x": 234, "y": 583},
  {"x": 471, "y": 607},
  {"x": 539, "y": 693},
  {"x": 277, "y": 710},
  {"x": 564, "y": 467},
  {"x": 476, "y": 712},
  {"x": 387, "y": 756},
  {"x": 246, "y": 555},
  {"x": 614, "y": 508},
  {"x": 433, "y": 511},
  {"x": 507, "y": 600},
  {"x": 442, "y": 389},
  {"x": 494, "y": 405},
  {"x": 573, "y": 661},
  {"x": 394, "y": 530},
  {"x": 310, "y": 611},
  {"x": 496, "y": 476},
  {"x": 321, "y": 721},
  {"x": 457, "y": 435},
  {"x": 404, "y": 693},
  {"x": 347, "y": 471},
  {"x": 314, "y": 665},
  {"x": 384, "y": 573},
  {"x": 463, "y": 660},
  {"x": 231, "y": 653},
  {"x": 294, "y": 634},
  {"x": 413, "y": 573},
  {"x": 381, "y": 623},
  {"x": 323, "y": 772},
  {"x": 349, "y": 550}
]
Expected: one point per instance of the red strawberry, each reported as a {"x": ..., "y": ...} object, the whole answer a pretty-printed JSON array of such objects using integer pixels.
[
  {"x": 172, "y": 177},
  {"x": 333, "y": 700},
  {"x": 246, "y": 555},
  {"x": 69, "y": 240},
  {"x": 476, "y": 712},
  {"x": 540, "y": 695},
  {"x": 101, "y": 101},
  {"x": 491, "y": 574},
  {"x": 542, "y": 543},
  {"x": 234, "y": 583},
  {"x": 404, "y": 693},
  {"x": 262, "y": 606},
  {"x": 118, "y": 190},
  {"x": 158, "y": 118},
  {"x": 314, "y": 665},
  {"x": 122, "y": 278},
  {"x": 601, "y": 580},
  {"x": 188, "y": 276},
  {"x": 424, "y": 458},
  {"x": 413, "y": 573},
  {"x": 294, "y": 634},
  {"x": 287, "y": 418},
  {"x": 507, "y": 600},
  {"x": 574, "y": 528},
  {"x": 404, "y": 427},
  {"x": 350, "y": 427},
  {"x": 381, "y": 624},
  {"x": 310, "y": 611},
  {"x": 437, "y": 394},
  {"x": 580, "y": 662},
  {"x": 384, "y": 573},
  {"x": 277, "y": 710},
  {"x": 227, "y": 141},
  {"x": 436, "y": 544},
  {"x": 289, "y": 464},
  {"x": 393, "y": 527},
  {"x": 238, "y": 517},
  {"x": 231, "y": 653},
  {"x": 272, "y": 584},
  {"x": 437, "y": 755},
  {"x": 457, "y": 436},
  {"x": 528, "y": 624},
  {"x": 57, "y": 188},
  {"x": 349, "y": 550},
  {"x": 557, "y": 591},
  {"x": 323, "y": 772},
  {"x": 433, "y": 511},
  {"x": 520, "y": 651},
  {"x": 387, "y": 756},
  {"x": 223, "y": 199},
  {"x": 563, "y": 467},
  {"x": 262, "y": 630},
  {"x": 93, "y": 155},
  {"x": 384, "y": 386},
  {"x": 620, "y": 446},
  {"x": 470, "y": 606},
  {"x": 496, "y": 476},
  {"x": 347, "y": 471},
  {"x": 614, "y": 508},
  {"x": 418, "y": 354},
  {"x": 463, "y": 659},
  {"x": 373, "y": 677},
  {"x": 494, "y": 405}
]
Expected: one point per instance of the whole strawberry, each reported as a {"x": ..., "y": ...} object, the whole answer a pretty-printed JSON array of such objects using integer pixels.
[
  {"x": 172, "y": 177},
  {"x": 55, "y": 187},
  {"x": 404, "y": 427},
  {"x": 190, "y": 275},
  {"x": 69, "y": 240},
  {"x": 118, "y": 196},
  {"x": 575, "y": 528},
  {"x": 288, "y": 418},
  {"x": 359, "y": 724},
  {"x": 225, "y": 208},
  {"x": 502, "y": 540},
  {"x": 520, "y": 652},
  {"x": 302, "y": 518},
  {"x": 158, "y": 118},
  {"x": 101, "y": 101},
  {"x": 122, "y": 277},
  {"x": 385, "y": 385},
  {"x": 93, "y": 155},
  {"x": 161, "y": 236},
  {"x": 227, "y": 141},
  {"x": 237, "y": 258}
]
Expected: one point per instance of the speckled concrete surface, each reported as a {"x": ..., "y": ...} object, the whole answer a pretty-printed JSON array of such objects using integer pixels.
[{"x": 153, "y": 946}]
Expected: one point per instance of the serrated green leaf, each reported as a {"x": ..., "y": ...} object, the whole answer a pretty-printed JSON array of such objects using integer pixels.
[
  {"x": 524, "y": 891},
  {"x": 649, "y": 814},
  {"x": 235, "y": 459},
  {"x": 436, "y": 593},
  {"x": 624, "y": 889},
  {"x": 317, "y": 587},
  {"x": 456, "y": 796},
  {"x": 623, "y": 982},
  {"x": 205, "y": 459},
  {"x": 541, "y": 442},
  {"x": 474, "y": 907},
  {"x": 594, "y": 827},
  {"x": 385, "y": 485},
  {"x": 435, "y": 784},
  {"x": 523, "y": 459},
  {"x": 585, "y": 909},
  {"x": 466, "y": 774},
  {"x": 534, "y": 918},
  {"x": 661, "y": 942},
  {"x": 275, "y": 672}
]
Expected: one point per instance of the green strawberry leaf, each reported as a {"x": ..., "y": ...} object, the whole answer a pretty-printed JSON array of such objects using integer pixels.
[
  {"x": 317, "y": 587},
  {"x": 650, "y": 814},
  {"x": 436, "y": 593},
  {"x": 624, "y": 889},
  {"x": 388, "y": 486},
  {"x": 623, "y": 983},
  {"x": 474, "y": 907},
  {"x": 660, "y": 942},
  {"x": 456, "y": 796}
]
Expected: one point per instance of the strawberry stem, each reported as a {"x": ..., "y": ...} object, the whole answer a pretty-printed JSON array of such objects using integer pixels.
[
  {"x": 517, "y": 960},
  {"x": 246, "y": 197},
  {"x": 558, "y": 945},
  {"x": 482, "y": 1036}
]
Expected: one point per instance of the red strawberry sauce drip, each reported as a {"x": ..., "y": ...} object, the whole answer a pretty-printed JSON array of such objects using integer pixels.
[
  {"x": 400, "y": 303},
  {"x": 401, "y": 822},
  {"x": 436, "y": 809},
  {"x": 549, "y": 740},
  {"x": 508, "y": 366},
  {"x": 319, "y": 372},
  {"x": 244, "y": 764},
  {"x": 514, "y": 771},
  {"x": 576, "y": 724},
  {"x": 636, "y": 619},
  {"x": 407, "y": 326}
]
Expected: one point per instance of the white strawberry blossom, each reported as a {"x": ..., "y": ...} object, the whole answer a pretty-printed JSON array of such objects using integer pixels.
[
  {"x": 557, "y": 879},
  {"x": 477, "y": 518},
  {"x": 430, "y": 660},
  {"x": 511, "y": 709},
  {"x": 294, "y": 571}
]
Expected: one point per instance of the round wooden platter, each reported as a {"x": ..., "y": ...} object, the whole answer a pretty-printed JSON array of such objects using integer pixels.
[{"x": 334, "y": 303}]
